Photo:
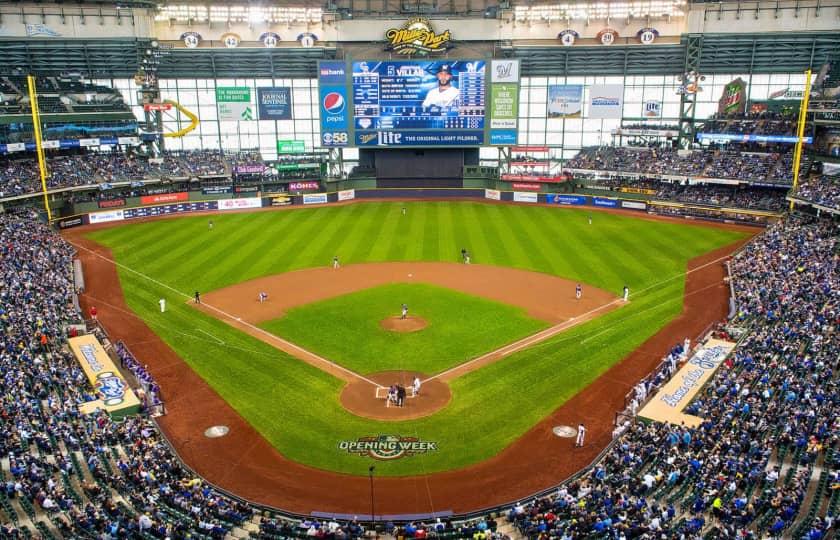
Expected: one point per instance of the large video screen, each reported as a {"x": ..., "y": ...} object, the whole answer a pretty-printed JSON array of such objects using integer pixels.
[{"x": 419, "y": 103}]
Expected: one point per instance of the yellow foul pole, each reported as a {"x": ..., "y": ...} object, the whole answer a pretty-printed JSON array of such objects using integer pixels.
[
  {"x": 39, "y": 148},
  {"x": 800, "y": 132}
]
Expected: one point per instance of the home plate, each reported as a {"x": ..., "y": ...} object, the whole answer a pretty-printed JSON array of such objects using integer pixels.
[
  {"x": 564, "y": 431},
  {"x": 410, "y": 275}
]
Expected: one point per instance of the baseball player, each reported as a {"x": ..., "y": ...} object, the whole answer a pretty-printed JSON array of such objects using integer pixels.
[
  {"x": 392, "y": 395},
  {"x": 578, "y": 291},
  {"x": 210, "y": 225},
  {"x": 444, "y": 94},
  {"x": 590, "y": 219},
  {"x": 263, "y": 297},
  {"x": 404, "y": 311},
  {"x": 626, "y": 292},
  {"x": 93, "y": 312},
  {"x": 415, "y": 385},
  {"x": 197, "y": 297},
  {"x": 162, "y": 303},
  {"x": 403, "y": 210},
  {"x": 335, "y": 262},
  {"x": 581, "y": 435}
]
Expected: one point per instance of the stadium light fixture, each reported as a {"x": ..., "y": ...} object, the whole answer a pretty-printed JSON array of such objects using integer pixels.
[
  {"x": 638, "y": 9},
  {"x": 239, "y": 14}
]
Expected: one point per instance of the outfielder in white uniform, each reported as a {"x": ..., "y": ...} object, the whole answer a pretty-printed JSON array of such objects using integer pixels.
[
  {"x": 162, "y": 303},
  {"x": 444, "y": 94}
]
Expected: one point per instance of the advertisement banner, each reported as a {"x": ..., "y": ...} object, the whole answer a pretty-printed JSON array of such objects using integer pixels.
[
  {"x": 246, "y": 189},
  {"x": 652, "y": 109},
  {"x": 274, "y": 103},
  {"x": 334, "y": 114},
  {"x": 526, "y": 186},
  {"x": 69, "y": 223},
  {"x": 111, "y": 203},
  {"x": 504, "y": 106},
  {"x": 441, "y": 137},
  {"x": 50, "y": 144},
  {"x": 634, "y": 205},
  {"x": 530, "y": 178},
  {"x": 289, "y": 146},
  {"x": 565, "y": 100},
  {"x": 503, "y": 137},
  {"x": 641, "y": 191},
  {"x": 493, "y": 194},
  {"x": 605, "y": 100},
  {"x": 105, "y": 217},
  {"x": 114, "y": 393},
  {"x": 524, "y": 197},
  {"x": 296, "y": 166},
  {"x": 504, "y": 71},
  {"x": 315, "y": 198},
  {"x": 749, "y": 137},
  {"x": 332, "y": 72},
  {"x": 165, "y": 198},
  {"x": 166, "y": 209},
  {"x": 216, "y": 190},
  {"x": 734, "y": 98},
  {"x": 346, "y": 194},
  {"x": 676, "y": 394},
  {"x": 569, "y": 200},
  {"x": 249, "y": 169},
  {"x": 607, "y": 203},
  {"x": 301, "y": 186},
  {"x": 88, "y": 142},
  {"x": 239, "y": 204},
  {"x": 234, "y": 103}
]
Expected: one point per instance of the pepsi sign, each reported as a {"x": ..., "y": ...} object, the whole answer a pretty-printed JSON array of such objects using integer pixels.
[{"x": 333, "y": 108}]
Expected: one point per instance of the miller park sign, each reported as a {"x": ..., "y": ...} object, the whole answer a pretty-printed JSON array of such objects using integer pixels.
[
  {"x": 387, "y": 447},
  {"x": 417, "y": 36}
]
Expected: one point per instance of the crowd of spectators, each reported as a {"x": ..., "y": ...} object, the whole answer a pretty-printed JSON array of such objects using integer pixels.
[
  {"x": 758, "y": 123},
  {"x": 709, "y": 163},
  {"x": 820, "y": 189},
  {"x": 769, "y": 414}
]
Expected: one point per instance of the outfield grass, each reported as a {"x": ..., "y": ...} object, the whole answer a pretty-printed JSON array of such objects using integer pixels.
[
  {"x": 295, "y": 406},
  {"x": 346, "y": 328}
]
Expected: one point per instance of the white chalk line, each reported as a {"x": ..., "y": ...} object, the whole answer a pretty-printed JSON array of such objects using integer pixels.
[
  {"x": 237, "y": 320},
  {"x": 548, "y": 333}
]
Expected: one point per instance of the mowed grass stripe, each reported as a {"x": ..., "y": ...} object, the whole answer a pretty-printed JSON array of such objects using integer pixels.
[
  {"x": 296, "y": 406},
  {"x": 389, "y": 229}
]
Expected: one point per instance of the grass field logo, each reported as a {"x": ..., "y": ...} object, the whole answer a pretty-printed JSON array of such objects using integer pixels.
[{"x": 388, "y": 447}]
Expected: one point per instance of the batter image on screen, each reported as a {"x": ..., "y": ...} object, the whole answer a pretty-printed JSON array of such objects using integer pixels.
[
  {"x": 445, "y": 94},
  {"x": 419, "y": 95}
]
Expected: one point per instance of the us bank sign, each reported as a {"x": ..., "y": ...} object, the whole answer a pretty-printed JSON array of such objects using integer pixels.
[{"x": 387, "y": 447}]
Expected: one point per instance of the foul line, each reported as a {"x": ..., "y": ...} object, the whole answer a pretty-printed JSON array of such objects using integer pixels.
[
  {"x": 237, "y": 320},
  {"x": 543, "y": 335}
]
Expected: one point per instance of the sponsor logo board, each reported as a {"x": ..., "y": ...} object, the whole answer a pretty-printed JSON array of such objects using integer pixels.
[
  {"x": 238, "y": 204},
  {"x": 315, "y": 198},
  {"x": 519, "y": 196},
  {"x": 571, "y": 200},
  {"x": 605, "y": 100},
  {"x": 417, "y": 36},
  {"x": 346, "y": 194},
  {"x": 111, "y": 203},
  {"x": 440, "y": 137},
  {"x": 607, "y": 203},
  {"x": 302, "y": 186},
  {"x": 529, "y": 186},
  {"x": 105, "y": 217},
  {"x": 332, "y": 72},
  {"x": 504, "y": 71},
  {"x": 274, "y": 103},
  {"x": 493, "y": 194},
  {"x": 634, "y": 205},
  {"x": 165, "y": 198}
]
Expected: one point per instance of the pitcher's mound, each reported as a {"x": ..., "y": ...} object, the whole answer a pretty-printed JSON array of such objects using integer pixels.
[{"x": 409, "y": 324}]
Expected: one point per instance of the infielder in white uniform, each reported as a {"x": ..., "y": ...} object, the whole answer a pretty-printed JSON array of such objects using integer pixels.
[
  {"x": 581, "y": 434},
  {"x": 444, "y": 95},
  {"x": 416, "y": 386},
  {"x": 162, "y": 303}
]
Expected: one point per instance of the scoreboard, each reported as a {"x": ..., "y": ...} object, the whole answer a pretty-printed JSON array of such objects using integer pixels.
[{"x": 404, "y": 103}]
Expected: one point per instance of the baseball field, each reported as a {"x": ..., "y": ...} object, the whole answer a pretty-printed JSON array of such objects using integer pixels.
[{"x": 284, "y": 365}]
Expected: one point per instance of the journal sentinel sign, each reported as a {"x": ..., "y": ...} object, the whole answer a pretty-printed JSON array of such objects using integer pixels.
[{"x": 275, "y": 103}]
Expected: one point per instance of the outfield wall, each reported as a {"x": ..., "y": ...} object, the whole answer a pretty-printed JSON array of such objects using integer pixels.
[{"x": 177, "y": 203}]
